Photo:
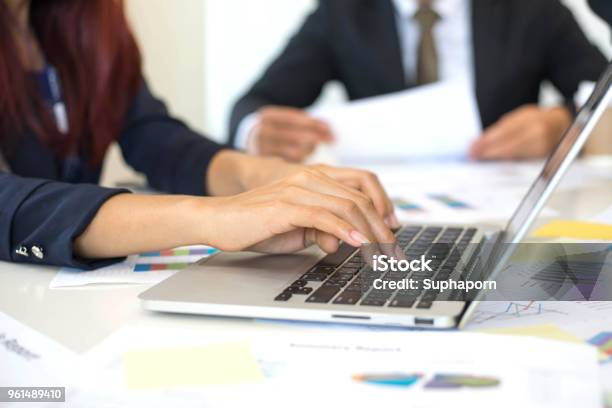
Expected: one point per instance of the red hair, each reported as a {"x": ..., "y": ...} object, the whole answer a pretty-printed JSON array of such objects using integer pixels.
[{"x": 92, "y": 48}]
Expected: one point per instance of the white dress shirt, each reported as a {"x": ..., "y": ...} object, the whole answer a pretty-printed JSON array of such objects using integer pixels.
[{"x": 453, "y": 36}]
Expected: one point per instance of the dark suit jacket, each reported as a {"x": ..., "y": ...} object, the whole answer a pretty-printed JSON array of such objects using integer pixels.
[
  {"x": 37, "y": 209},
  {"x": 517, "y": 45}
]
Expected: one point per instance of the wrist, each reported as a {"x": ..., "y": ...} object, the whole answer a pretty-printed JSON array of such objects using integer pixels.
[
  {"x": 199, "y": 217},
  {"x": 260, "y": 171},
  {"x": 231, "y": 172}
]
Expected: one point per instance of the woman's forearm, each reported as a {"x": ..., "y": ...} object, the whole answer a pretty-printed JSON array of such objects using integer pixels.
[
  {"x": 129, "y": 224},
  {"x": 308, "y": 207}
]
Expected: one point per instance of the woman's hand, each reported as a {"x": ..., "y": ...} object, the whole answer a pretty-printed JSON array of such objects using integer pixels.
[
  {"x": 250, "y": 172},
  {"x": 312, "y": 206},
  {"x": 298, "y": 207}
]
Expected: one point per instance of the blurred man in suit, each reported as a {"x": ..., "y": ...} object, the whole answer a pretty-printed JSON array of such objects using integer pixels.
[{"x": 506, "y": 48}]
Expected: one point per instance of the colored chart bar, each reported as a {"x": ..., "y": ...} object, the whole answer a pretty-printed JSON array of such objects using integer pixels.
[
  {"x": 181, "y": 252},
  {"x": 446, "y": 381},
  {"x": 449, "y": 201},
  {"x": 395, "y": 380},
  {"x": 603, "y": 341},
  {"x": 406, "y": 205},
  {"x": 159, "y": 267}
]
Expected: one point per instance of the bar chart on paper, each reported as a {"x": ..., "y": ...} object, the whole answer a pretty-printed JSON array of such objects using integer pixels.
[
  {"x": 603, "y": 341},
  {"x": 188, "y": 251},
  {"x": 150, "y": 267},
  {"x": 171, "y": 259}
]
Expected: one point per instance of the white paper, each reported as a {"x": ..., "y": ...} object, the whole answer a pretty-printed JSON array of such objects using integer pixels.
[
  {"x": 124, "y": 272},
  {"x": 530, "y": 371},
  {"x": 491, "y": 191},
  {"x": 438, "y": 120},
  {"x": 583, "y": 319},
  {"x": 605, "y": 217},
  {"x": 28, "y": 358}
]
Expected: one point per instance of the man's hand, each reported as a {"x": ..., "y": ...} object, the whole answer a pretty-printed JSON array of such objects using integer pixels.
[
  {"x": 289, "y": 133},
  {"x": 528, "y": 132}
]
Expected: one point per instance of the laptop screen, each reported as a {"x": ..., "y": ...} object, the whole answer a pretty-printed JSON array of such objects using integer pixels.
[{"x": 559, "y": 161}]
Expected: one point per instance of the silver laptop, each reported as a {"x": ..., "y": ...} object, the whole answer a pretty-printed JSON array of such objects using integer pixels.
[{"x": 310, "y": 286}]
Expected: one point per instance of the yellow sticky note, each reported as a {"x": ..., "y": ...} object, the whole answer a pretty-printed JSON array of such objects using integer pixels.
[
  {"x": 575, "y": 229},
  {"x": 546, "y": 331},
  {"x": 229, "y": 363}
]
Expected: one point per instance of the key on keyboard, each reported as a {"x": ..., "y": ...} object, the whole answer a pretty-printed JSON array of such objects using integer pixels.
[{"x": 344, "y": 278}]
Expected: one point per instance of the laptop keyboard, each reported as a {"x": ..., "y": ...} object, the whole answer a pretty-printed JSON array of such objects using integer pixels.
[{"x": 343, "y": 278}]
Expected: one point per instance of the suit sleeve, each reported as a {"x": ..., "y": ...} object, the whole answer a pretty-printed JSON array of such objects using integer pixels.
[
  {"x": 47, "y": 215},
  {"x": 296, "y": 77},
  {"x": 174, "y": 158},
  {"x": 571, "y": 57}
]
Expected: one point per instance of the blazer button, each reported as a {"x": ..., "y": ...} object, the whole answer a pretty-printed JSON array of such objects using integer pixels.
[
  {"x": 38, "y": 252},
  {"x": 23, "y": 251}
]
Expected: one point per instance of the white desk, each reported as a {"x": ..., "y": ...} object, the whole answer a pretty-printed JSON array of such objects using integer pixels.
[{"x": 81, "y": 318}]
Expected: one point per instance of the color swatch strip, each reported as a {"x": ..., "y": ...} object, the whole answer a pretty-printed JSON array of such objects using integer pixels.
[
  {"x": 445, "y": 381},
  {"x": 449, "y": 201},
  {"x": 144, "y": 267},
  {"x": 603, "y": 341},
  {"x": 181, "y": 252},
  {"x": 406, "y": 205},
  {"x": 395, "y": 380}
]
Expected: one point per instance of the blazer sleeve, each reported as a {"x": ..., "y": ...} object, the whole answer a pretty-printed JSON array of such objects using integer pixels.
[
  {"x": 174, "y": 158},
  {"x": 297, "y": 76},
  {"x": 47, "y": 215},
  {"x": 571, "y": 58}
]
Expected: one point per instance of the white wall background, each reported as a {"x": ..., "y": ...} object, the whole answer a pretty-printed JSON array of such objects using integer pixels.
[
  {"x": 241, "y": 36},
  {"x": 171, "y": 39},
  {"x": 170, "y": 35}
]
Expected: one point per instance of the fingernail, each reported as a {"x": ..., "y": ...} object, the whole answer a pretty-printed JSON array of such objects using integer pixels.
[
  {"x": 389, "y": 221},
  {"x": 359, "y": 237},
  {"x": 394, "y": 221},
  {"x": 399, "y": 254}
]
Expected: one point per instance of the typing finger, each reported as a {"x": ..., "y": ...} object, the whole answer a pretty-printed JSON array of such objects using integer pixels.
[{"x": 319, "y": 182}]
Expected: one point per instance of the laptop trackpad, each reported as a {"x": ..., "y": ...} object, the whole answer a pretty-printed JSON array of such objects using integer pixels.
[{"x": 261, "y": 262}]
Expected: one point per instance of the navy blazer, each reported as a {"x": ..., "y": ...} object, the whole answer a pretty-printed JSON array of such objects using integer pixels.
[
  {"x": 41, "y": 216},
  {"x": 517, "y": 44}
]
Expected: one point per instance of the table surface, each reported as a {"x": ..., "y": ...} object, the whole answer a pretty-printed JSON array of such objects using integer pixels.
[{"x": 80, "y": 318}]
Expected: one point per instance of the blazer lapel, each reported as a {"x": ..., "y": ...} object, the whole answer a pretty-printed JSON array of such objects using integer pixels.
[{"x": 378, "y": 25}]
